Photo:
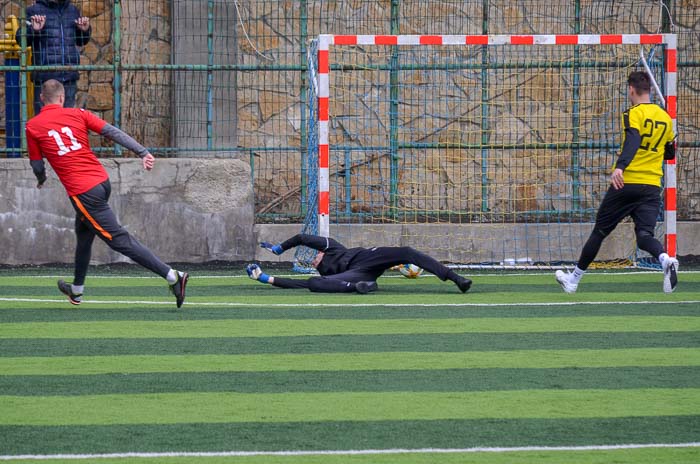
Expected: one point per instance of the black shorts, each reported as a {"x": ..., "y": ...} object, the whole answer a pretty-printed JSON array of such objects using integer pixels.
[
  {"x": 640, "y": 201},
  {"x": 95, "y": 217}
]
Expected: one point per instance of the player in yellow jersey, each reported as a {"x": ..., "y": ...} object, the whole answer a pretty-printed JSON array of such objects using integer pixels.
[{"x": 635, "y": 184}]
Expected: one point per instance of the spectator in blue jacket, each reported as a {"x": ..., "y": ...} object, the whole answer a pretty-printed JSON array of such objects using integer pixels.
[{"x": 55, "y": 30}]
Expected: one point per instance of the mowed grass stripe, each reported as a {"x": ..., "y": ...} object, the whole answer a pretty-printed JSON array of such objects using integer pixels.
[
  {"x": 656, "y": 454},
  {"x": 225, "y": 285},
  {"x": 398, "y": 298},
  {"x": 13, "y": 347},
  {"x": 352, "y": 435},
  {"x": 487, "y": 289},
  {"x": 66, "y": 313},
  {"x": 292, "y": 327},
  {"x": 173, "y": 408},
  {"x": 440, "y": 380},
  {"x": 86, "y": 365},
  {"x": 421, "y": 287}
]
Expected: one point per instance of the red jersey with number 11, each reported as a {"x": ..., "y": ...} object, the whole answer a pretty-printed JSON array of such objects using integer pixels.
[{"x": 61, "y": 136}]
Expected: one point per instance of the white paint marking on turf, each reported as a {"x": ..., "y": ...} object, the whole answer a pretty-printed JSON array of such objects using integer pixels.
[
  {"x": 174, "y": 454},
  {"x": 354, "y": 305},
  {"x": 465, "y": 272}
]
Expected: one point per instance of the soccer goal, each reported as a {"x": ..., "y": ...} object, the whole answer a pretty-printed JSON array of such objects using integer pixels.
[{"x": 483, "y": 151}]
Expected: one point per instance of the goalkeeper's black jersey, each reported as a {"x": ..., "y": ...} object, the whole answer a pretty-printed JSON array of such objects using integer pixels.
[{"x": 336, "y": 257}]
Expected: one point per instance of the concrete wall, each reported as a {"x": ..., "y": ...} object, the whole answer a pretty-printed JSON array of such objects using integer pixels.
[
  {"x": 185, "y": 210},
  {"x": 193, "y": 210}
]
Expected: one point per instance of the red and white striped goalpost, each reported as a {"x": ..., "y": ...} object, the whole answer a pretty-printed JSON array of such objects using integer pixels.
[{"x": 325, "y": 41}]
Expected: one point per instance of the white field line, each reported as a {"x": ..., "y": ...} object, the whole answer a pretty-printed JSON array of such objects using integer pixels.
[
  {"x": 30, "y": 457},
  {"x": 353, "y": 305},
  {"x": 239, "y": 276}
]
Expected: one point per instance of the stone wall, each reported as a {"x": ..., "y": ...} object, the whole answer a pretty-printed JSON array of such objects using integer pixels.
[
  {"x": 185, "y": 210},
  {"x": 145, "y": 39},
  {"x": 262, "y": 109},
  {"x": 449, "y": 179}
]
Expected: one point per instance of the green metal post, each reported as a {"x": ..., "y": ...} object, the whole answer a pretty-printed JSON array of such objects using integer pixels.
[
  {"x": 485, "y": 111},
  {"x": 666, "y": 16},
  {"x": 117, "y": 81},
  {"x": 210, "y": 74},
  {"x": 348, "y": 183},
  {"x": 251, "y": 157},
  {"x": 394, "y": 112},
  {"x": 576, "y": 116},
  {"x": 303, "y": 37},
  {"x": 23, "y": 77}
]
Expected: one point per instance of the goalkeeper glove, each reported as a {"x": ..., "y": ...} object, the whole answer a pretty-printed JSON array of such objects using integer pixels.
[
  {"x": 276, "y": 249},
  {"x": 255, "y": 273}
]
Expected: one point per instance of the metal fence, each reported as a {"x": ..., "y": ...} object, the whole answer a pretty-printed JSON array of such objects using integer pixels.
[{"x": 229, "y": 77}]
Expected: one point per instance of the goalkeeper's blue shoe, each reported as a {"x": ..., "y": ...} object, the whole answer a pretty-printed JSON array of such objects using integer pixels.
[
  {"x": 178, "y": 288},
  {"x": 66, "y": 289}
]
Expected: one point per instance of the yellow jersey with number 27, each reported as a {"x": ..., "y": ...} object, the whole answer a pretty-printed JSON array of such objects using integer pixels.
[{"x": 655, "y": 129}]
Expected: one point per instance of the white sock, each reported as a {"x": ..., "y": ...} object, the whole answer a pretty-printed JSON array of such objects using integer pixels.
[
  {"x": 77, "y": 289},
  {"x": 171, "y": 277},
  {"x": 577, "y": 274},
  {"x": 663, "y": 257}
]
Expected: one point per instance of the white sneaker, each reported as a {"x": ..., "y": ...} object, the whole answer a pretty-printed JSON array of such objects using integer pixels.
[
  {"x": 566, "y": 282},
  {"x": 670, "y": 276}
]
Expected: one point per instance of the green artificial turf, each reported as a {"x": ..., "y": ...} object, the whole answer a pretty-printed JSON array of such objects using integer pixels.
[{"x": 246, "y": 367}]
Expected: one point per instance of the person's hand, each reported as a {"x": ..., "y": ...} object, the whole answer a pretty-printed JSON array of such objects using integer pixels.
[
  {"x": 254, "y": 271},
  {"x": 83, "y": 23},
  {"x": 148, "y": 162},
  {"x": 276, "y": 249},
  {"x": 38, "y": 22},
  {"x": 617, "y": 180},
  {"x": 41, "y": 180}
]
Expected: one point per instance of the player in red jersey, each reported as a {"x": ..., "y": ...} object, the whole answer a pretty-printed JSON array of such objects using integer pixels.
[{"x": 61, "y": 136}]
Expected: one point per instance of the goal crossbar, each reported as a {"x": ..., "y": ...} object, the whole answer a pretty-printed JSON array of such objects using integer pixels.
[{"x": 322, "y": 78}]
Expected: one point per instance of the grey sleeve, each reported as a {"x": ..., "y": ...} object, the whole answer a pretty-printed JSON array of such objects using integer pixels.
[{"x": 123, "y": 139}]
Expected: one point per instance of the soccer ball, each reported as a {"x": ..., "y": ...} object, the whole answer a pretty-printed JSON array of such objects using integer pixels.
[{"x": 410, "y": 271}]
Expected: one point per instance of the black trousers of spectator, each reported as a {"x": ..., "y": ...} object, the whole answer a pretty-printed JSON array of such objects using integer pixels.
[
  {"x": 95, "y": 217},
  {"x": 641, "y": 202},
  {"x": 367, "y": 266}
]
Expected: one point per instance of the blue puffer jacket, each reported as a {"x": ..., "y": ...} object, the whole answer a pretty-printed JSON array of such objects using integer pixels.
[{"x": 57, "y": 43}]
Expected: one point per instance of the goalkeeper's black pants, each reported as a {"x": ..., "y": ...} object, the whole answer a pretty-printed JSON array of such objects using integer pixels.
[
  {"x": 95, "y": 217},
  {"x": 367, "y": 266}
]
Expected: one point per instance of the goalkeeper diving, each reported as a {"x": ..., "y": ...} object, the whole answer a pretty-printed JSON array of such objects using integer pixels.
[{"x": 348, "y": 270}]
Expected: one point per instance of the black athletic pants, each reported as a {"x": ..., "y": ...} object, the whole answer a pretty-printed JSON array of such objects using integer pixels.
[
  {"x": 641, "y": 202},
  {"x": 95, "y": 217},
  {"x": 367, "y": 266}
]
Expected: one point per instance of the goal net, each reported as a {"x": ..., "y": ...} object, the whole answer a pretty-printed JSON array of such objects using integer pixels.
[{"x": 483, "y": 151}]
